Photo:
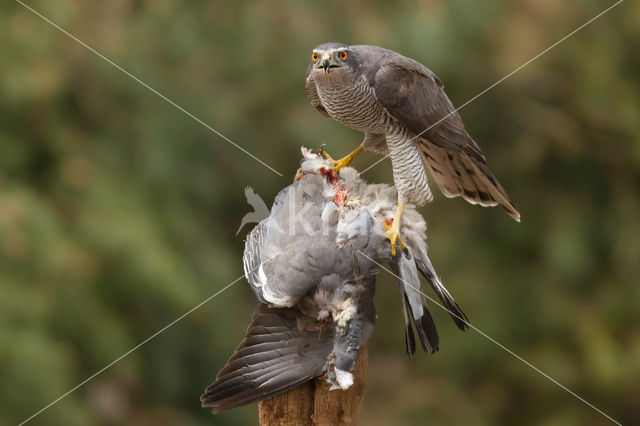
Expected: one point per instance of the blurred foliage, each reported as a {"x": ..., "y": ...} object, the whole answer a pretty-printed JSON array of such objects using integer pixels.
[{"x": 118, "y": 212}]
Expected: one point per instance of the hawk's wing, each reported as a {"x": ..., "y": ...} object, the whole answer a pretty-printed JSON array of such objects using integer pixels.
[{"x": 414, "y": 96}]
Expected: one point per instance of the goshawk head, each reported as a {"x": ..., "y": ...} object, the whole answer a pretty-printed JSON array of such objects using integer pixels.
[{"x": 332, "y": 57}]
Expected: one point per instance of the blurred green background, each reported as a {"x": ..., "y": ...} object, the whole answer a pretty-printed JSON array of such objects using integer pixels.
[{"x": 118, "y": 212}]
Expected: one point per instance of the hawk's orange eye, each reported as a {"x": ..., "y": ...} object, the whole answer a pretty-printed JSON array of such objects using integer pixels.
[
  {"x": 342, "y": 55},
  {"x": 314, "y": 57}
]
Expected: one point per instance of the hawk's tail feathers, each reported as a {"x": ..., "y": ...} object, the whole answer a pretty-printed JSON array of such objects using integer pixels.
[
  {"x": 466, "y": 174},
  {"x": 274, "y": 357}
]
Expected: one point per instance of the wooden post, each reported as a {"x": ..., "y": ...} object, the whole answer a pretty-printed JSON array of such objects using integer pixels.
[{"x": 314, "y": 404}]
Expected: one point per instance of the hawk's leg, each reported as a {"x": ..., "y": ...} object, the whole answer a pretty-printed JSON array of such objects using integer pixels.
[
  {"x": 345, "y": 161},
  {"x": 394, "y": 230}
]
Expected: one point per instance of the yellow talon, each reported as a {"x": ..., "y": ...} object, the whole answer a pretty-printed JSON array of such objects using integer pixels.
[
  {"x": 344, "y": 161},
  {"x": 325, "y": 154},
  {"x": 393, "y": 237},
  {"x": 394, "y": 231}
]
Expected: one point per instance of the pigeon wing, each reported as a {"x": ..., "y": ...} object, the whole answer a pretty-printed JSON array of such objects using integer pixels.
[{"x": 274, "y": 357}]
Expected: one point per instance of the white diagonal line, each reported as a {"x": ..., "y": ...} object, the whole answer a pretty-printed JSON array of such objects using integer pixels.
[
  {"x": 482, "y": 333},
  {"x": 88, "y": 379},
  {"x": 151, "y": 89},
  {"x": 504, "y": 78}
]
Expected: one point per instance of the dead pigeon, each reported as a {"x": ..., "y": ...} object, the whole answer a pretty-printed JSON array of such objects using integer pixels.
[{"x": 312, "y": 264}]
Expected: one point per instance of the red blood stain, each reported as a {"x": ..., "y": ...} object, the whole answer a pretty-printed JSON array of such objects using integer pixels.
[{"x": 340, "y": 197}]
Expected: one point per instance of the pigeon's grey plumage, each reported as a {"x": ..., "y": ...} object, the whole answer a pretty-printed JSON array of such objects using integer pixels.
[
  {"x": 401, "y": 107},
  {"x": 312, "y": 264}
]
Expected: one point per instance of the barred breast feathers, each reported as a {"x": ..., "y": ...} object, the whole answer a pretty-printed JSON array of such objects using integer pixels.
[{"x": 352, "y": 102}]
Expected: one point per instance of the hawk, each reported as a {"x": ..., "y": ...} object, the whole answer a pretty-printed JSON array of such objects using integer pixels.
[
  {"x": 402, "y": 109},
  {"x": 312, "y": 264}
]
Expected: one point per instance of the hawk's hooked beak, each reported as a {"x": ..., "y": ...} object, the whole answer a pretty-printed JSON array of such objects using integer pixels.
[{"x": 328, "y": 62}]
